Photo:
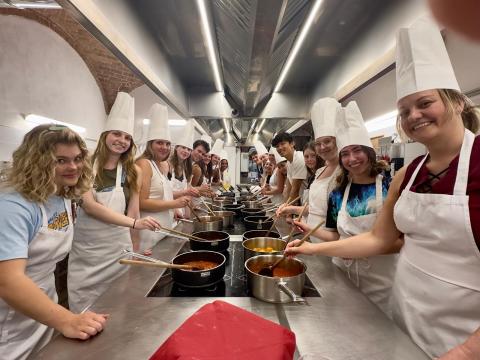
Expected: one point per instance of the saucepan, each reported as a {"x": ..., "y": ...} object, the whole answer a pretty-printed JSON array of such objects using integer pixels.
[
  {"x": 285, "y": 286},
  {"x": 211, "y": 240},
  {"x": 260, "y": 233},
  {"x": 206, "y": 223},
  {"x": 258, "y": 222},
  {"x": 227, "y": 217},
  {"x": 263, "y": 246}
]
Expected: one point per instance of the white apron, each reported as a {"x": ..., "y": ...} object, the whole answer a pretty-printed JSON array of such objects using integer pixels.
[
  {"x": 178, "y": 185},
  {"x": 277, "y": 199},
  {"x": 436, "y": 294},
  {"x": 160, "y": 189},
  {"x": 20, "y": 335},
  {"x": 318, "y": 201},
  {"x": 373, "y": 275},
  {"x": 97, "y": 247}
]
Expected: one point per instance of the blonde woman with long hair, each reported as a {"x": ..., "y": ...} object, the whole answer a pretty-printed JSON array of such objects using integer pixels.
[
  {"x": 102, "y": 230},
  {"x": 156, "y": 192},
  {"x": 50, "y": 168}
]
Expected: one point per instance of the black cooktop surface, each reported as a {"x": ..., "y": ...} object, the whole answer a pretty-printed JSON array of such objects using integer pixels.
[{"x": 234, "y": 283}]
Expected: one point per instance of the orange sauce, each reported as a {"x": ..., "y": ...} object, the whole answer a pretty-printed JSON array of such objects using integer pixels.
[{"x": 201, "y": 264}]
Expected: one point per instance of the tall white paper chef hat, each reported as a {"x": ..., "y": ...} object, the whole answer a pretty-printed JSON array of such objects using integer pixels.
[
  {"x": 159, "y": 129},
  {"x": 183, "y": 135},
  {"x": 207, "y": 139},
  {"x": 260, "y": 148},
  {"x": 223, "y": 155},
  {"x": 122, "y": 114},
  {"x": 422, "y": 59},
  {"x": 324, "y": 115},
  {"x": 278, "y": 158},
  {"x": 217, "y": 147},
  {"x": 351, "y": 128}
]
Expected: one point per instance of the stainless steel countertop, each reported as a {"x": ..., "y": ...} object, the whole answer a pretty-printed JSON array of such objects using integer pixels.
[{"x": 342, "y": 324}]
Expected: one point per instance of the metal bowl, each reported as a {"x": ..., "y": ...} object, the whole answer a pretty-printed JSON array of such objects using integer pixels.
[{"x": 278, "y": 245}]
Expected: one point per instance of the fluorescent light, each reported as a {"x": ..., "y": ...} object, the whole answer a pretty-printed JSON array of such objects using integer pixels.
[
  {"x": 177, "y": 122},
  {"x": 382, "y": 122},
  {"x": 298, "y": 43},
  {"x": 146, "y": 121},
  {"x": 39, "y": 120},
  {"x": 211, "y": 49}
]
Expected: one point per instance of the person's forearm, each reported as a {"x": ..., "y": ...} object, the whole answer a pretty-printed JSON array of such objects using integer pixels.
[
  {"x": 105, "y": 214},
  {"x": 274, "y": 191},
  {"x": 468, "y": 350},
  {"x": 326, "y": 235},
  {"x": 22, "y": 294},
  {"x": 294, "y": 190},
  {"x": 179, "y": 193},
  {"x": 363, "y": 245},
  {"x": 155, "y": 205}
]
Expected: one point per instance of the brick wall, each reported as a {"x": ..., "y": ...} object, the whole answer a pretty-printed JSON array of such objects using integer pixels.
[{"x": 111, "y": 74}]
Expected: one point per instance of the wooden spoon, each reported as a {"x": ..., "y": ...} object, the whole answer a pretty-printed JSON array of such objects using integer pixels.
[
  {"x": 159, "y": 264},
  {"x": 268, "y": 270},
  {"x": 194, "y": 212}
]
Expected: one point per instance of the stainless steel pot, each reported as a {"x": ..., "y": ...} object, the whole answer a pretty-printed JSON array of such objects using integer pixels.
[
  {"x": 260, "y": 233},
  {"x": 249, "y": 204},
  {"x": 208, "y": 223},
  {"x": 252, "y": 212},
  {"x": 278, "y": 245},
  {"x": 220, "y": 201},
  {"x": 276, "y": 289},
  {"x": 227, "y": 217},
  {"x": 257, "y": 223}
]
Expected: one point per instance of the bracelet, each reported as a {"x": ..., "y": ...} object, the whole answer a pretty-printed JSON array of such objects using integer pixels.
[{"x": 134, "y": 221}]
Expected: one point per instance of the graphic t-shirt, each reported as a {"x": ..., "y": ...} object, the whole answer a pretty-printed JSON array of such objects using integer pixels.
[{"x": 361, "y": 201}]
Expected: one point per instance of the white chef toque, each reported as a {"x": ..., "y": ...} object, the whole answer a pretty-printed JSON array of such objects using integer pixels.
[
  {"x": 207, "y": 139},
  {"x": 422, "y": 61},
  {"x": 324, "y": 115},
  {"x": 223, "y": 155},
  {"x": 351, "y": 128},
  {"x": 122, "y": 114},
  {"x": 159, "y": 129},
  {"x": 278, "y": 158},
  {"x": 217, "y": 147},
  {"x": 260, "y": 148},
  {"x": 183, "y": 135}
]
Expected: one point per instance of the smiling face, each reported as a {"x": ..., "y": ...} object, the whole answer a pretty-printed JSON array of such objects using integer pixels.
[
  {"x": 326, "y": 147},
  {"x": 198, "y": 153},
  {"x": 282, "y": 168},
  {"x": 215, "y": 159},
  {"x": 69, "y": 164},
  {"x": 182, "y": 152},
  {"x": 310, "y": 159},
  {"x": 223, "y": 165},
  {"x": 355, "y": 160},
  {"x": 268, "y": 168},
  {"x": 118, "y": 142},
  {"x": 161, "y": 149},
  {"x": 207, "y": 158},
  {"x": 424, "y": 116},
  {"x": 285, "y": 149}
]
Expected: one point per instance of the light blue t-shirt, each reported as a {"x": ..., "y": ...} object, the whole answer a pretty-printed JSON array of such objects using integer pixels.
[{"x": 20, "y": 220}]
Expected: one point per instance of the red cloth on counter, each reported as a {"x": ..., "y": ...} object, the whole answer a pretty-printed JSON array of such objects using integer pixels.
[
  {"x": 446, "y": 183},
  {"x": 221, "y": 331}
]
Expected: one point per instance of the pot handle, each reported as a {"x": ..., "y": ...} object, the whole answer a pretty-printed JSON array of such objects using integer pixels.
[{"x": 295, "y": 298}]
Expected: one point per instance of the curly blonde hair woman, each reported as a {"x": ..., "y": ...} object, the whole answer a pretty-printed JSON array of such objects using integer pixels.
[
  {"x": 49, "y": 168},
  {"x": 34, "y": 162}
]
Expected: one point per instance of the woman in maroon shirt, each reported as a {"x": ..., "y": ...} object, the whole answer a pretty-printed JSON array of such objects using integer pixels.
[{"x": 433, "y": 202}]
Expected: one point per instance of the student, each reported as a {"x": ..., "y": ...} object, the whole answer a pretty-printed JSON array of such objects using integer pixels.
[
  {"x": 216, "y": 152},
  {"x": 433, "y": 201},
  {"x": 49, "y": 169},
  {"x": 180, "y": 164},
  {"x": 296, "y": 169},
  {"x": 276, "y": 184},
  {"x": 324, "y": 115},
  {"x": 313, "y": 162},
  {"x": 156, "y": 191},
  {"x": 224, "y": 174},
  {"x": 102, "y": 231}
]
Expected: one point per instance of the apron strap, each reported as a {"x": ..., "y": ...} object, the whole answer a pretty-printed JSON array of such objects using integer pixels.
[
  {"x": 461, "y": 180},
  {"x": 118, "y": 180},
  {"x": 345, "y": 196},
  {"x": 378, "y": 193},
  {"x": 415, "y": 173}
]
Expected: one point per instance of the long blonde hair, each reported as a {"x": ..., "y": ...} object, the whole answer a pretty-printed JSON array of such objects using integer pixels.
[
  {"x": 100, "y": 157},
  {"x": 33, "y": 168}
]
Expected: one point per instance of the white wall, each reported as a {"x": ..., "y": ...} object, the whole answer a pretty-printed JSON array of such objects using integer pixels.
[{"x": 40, "y": 73}]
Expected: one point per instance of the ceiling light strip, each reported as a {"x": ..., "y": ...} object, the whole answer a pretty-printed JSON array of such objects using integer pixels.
[
  {"x": 210, "y": 47},
  {"x": 298, "y": 43}
]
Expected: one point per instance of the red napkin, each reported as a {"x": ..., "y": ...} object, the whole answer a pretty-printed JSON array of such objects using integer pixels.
[{"x": 221, "y": 331}]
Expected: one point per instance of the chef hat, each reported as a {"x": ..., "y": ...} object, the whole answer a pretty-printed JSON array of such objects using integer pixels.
[
  {"x": 217, "y": 147},
  {"x": 278, "y": 158},
  {"x": 159, "y": 129},
  {"x": 223, "y": 155},
  {"x": 260, "y": 148},
  {"x": 324, "y": 117},
  {"x": 351, "y": 128},
  {"x": 207, "y": 139},
  {"x": 183, "y": 135},
  {"x": 122, "y": 114},
  {"x": 422, "y": 60}
]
